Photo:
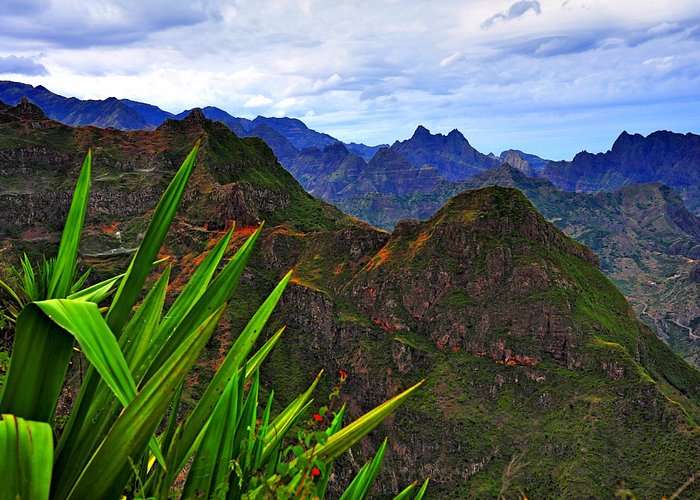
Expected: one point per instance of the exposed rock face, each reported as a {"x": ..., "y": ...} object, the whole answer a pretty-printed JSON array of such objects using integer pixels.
[
  {"x": 526, "y": 348},
  {"x": 243, "y": 202},
  {"x": 512, "y": 158},
  {"x": 463, "y": 258},
  {"x": 452, "y": 154}
]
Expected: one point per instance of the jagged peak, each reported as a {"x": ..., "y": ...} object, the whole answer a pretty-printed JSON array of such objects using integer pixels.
[
  {"x": 421, "y": 131},
  {"x": 194, "y": 119},
  {"x": 625, "y": 139},
  {"x": 456, "y": 134},
  {"x": 336, "y": 147},
  {"x": 26, "y": 109}
]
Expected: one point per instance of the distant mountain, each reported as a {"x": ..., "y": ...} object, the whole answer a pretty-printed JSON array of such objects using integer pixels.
[
  {"x": 105, "y": 113},
  {"x": 535, "y": 161},
  {"x": 330, "y": 173},
  {"x": 363, "y": 151},
  {"x": 452, "y": 155},
  {"x": 297, "y": 132},
  {"x": 670, "y": 158},
  {"x": 125, "y": 114},
  {"x": 282, "y": 147},
  {"x": 153, "y": 115}
]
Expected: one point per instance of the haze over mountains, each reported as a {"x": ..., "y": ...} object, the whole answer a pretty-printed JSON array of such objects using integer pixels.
[{"x": 528, "y": 349}]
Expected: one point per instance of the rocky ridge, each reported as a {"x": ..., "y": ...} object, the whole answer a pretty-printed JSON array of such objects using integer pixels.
[{"x": 528, "y": 350}]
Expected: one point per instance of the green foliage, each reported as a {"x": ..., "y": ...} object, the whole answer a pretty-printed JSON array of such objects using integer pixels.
[{"x": 139, "y": 358}]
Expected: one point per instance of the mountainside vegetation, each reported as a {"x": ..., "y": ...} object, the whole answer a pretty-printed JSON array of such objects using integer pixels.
[{"x": 540, "y": 379}]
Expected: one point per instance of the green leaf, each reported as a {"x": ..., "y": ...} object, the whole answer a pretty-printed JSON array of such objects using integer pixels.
[
  {"x": 138, "y": 337},
  {"x": 406, "y": 492},
  {"x": 421, "y": 492},
  {"x": 348, "y": 436},
  {"x": 64, "y": 268},
  {"x": 84, "y": 321},
  {"x": 256, "y": 360},
  {"x": 135, "y": 276},
  {"x": 277, "y": 430},
  {"x": 360, "y": 486},
  {"x": 40, "y": 357},
  {"x": 108, "y": 470},
  {"x": 219, "y": 291},
  {"x": 195, "y": 288},
  {"x": 26, "y": 458},
  {"x": 234, "y": 360},
  {"x": 97, "y": 292},
  {"x": 210, "y": 468}
]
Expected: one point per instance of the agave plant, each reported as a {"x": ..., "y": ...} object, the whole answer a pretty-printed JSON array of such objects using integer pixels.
[{"x": 117, "y": 439}]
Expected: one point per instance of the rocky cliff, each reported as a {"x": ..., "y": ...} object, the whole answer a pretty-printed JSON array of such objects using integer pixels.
[{"x": 539, "y": 377}]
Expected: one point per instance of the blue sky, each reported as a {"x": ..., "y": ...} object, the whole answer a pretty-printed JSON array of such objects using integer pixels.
[{"x": 550, "y": 77}]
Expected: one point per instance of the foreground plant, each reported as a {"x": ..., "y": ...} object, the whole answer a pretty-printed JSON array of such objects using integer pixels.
[{"x": 139, "y": 357}]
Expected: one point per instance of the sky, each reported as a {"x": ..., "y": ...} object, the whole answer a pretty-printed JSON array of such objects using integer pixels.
[{"x": 549, "y": 77}]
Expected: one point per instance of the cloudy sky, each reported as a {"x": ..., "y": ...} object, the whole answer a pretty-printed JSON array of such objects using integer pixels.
[{"x": 551, "y": 77}]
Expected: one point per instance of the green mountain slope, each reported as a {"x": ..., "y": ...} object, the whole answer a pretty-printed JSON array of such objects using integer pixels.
[
  {"x": 529, "y": 351},
  {"x": 647, "y": 241}
]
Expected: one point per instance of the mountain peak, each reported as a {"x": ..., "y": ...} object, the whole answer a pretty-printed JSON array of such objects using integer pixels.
[
  {"x": 421, "y": 131},
  {"x": 29, "y": 110},
  {"x": 195, "y": 116}
]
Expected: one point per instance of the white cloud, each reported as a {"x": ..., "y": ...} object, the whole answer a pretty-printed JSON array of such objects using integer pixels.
[
  {"x": 257, "y": 102},
  {"x": 455, "y": 56},
  {"x": 406, "y": 62}
]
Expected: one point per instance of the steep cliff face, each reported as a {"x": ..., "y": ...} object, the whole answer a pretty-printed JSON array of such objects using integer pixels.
[
  {"x": 529, "y": 352},
  {"x": 467, "y": 266}
]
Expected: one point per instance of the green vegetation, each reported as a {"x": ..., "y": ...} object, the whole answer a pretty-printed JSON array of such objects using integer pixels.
[{"x": 123, "y": 434}]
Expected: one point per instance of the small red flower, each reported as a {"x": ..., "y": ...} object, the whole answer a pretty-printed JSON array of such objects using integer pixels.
[
  {"x": 343, "y": 373},
  {"x": 318, "y": 418},
  {"x": 315, "y": 472}
]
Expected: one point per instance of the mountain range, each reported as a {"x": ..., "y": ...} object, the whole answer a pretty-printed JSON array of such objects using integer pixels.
[
  {"x": 657, "y": 270},
  {"x": 540, "y": 379}
]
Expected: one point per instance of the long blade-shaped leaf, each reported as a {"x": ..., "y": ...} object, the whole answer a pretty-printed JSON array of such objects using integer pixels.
[
  {"x": 84, "y": 321},
  {"x": 98, "y": 292},
  {"x": 421, "y": 492},
  {"x": 348, "y": 436},
  {"x": 138, "y": 335},
  {"x": 133, "y": 281},
  {"x": 64, "y": 268},
  {"x": 234, "y": 360},
  {"x": 40, "y": 357},
  {"x": 211, "y": 464},
  {"x": 360, "y": 486},
  {"x": 256, "y": 359},
  {"x": 279, "y": 427},
  {"x": 26, "y": 458},
  {"x": 195, "y": 288},
  {"x": 406, "y": 492},
  {"x": 109, "y": 468},
  {"x": 220, "y": 290}
]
